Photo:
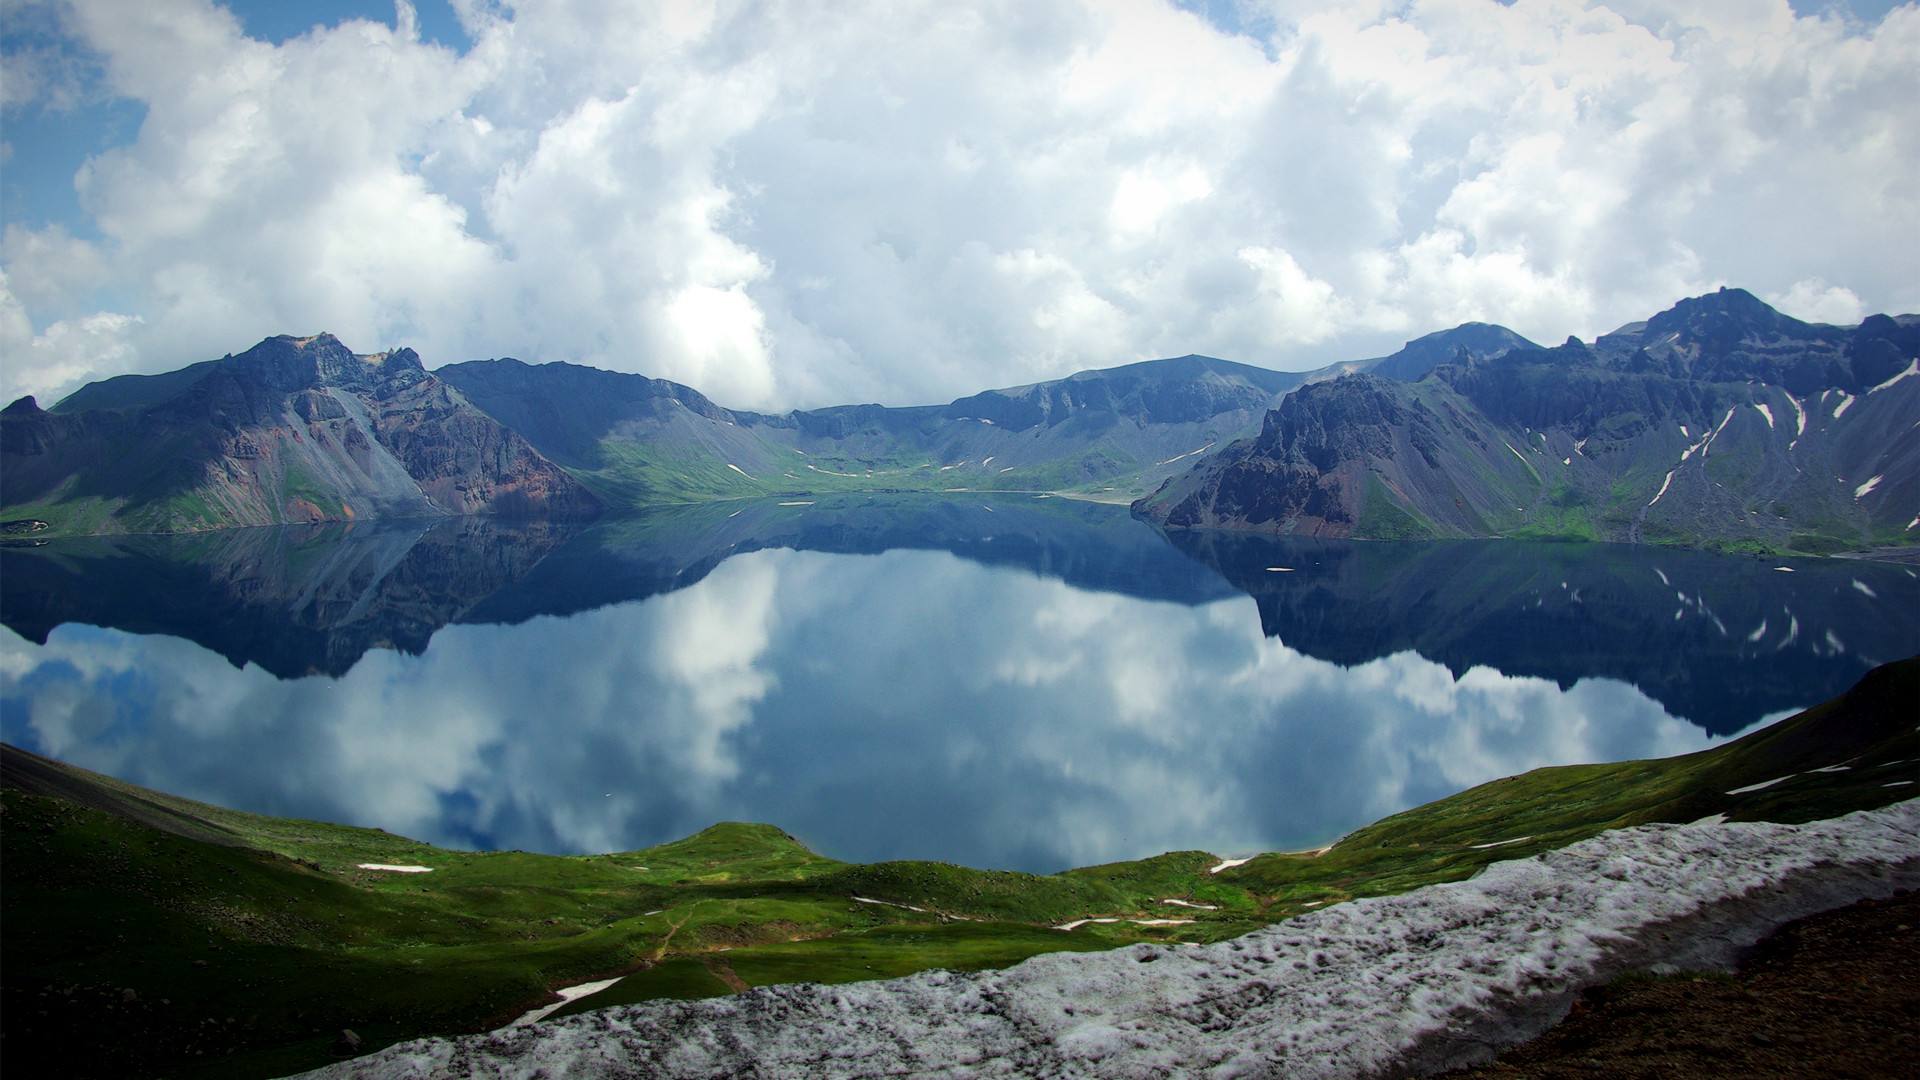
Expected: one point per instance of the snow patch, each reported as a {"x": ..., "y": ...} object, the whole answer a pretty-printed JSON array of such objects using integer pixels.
[
  {"x": 1078, "y": 923},
  {"x": 1866, "y": 489},
  {"x": 739, "y": 470},
  {"x": 1228, "y": 864},
  {"x": 1403, "y": 985},
  {"x": 889, "y": 903},
  {"x": 1783, "y": 569},
  {"x": 1279, "y": 569},
  {"x": 798, "y": 502},
  {"x": 392, "y": 869},
  {"x": 1865, "y": 589},
  {"x": 1188, "y": 454},
  {"x": 1763, "y": 784},
  {"x": 1912, "y": 368},
  {"x": 1664, "y": 484},
  {"x": 1763, "y": 410},
  {"x": 1846, "y": 402},
  {"x": 1758, "y": 631},
  {"x": 1500, "y": 843},
  {"x": 568, "y": 995},
  {"x": 1799, "y": 420},
  {"x": 1710, "y": 819},
  {"x": 1191, "y": 904}
]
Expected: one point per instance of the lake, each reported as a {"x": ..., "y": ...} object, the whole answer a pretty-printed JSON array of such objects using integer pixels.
[{"x": 1000, "y": 681}]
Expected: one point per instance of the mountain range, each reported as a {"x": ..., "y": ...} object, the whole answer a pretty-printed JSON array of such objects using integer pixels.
[{"x": 1719, "y": 422}]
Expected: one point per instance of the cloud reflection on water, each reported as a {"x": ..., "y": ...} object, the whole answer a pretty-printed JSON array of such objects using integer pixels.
[{"x": 906, "y": 704}]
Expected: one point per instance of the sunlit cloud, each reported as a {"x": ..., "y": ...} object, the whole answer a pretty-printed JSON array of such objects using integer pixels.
[{"x": 790, "y": 205}]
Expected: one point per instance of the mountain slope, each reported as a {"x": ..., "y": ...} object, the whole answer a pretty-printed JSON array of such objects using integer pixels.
[
  {"x": 1720, "y": 421},
  {"x": 638, "y": 439},
  {"x": 294, "y": 429}
]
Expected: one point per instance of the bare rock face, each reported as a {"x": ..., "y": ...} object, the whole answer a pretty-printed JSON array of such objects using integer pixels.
[{"x": 292, "y": 430}]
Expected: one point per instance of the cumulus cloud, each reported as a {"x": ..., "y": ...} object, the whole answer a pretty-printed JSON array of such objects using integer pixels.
[{"x": 788, "y": 206}]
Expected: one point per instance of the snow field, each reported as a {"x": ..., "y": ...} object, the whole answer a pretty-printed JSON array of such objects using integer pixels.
[{"x": 1418, "y": 982}]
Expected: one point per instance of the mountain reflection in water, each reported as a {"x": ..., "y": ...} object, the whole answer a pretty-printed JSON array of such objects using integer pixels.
[{"x": 996, "y": 680}]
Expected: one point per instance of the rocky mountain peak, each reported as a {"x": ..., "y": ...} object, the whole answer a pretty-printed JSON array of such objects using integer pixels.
[{"x": 1725, "y": 314}]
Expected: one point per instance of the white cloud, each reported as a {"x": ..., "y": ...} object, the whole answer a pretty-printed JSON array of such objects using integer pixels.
[
  {"x": 786, "y": 205},
  {"x": 1814, "y": 300}
]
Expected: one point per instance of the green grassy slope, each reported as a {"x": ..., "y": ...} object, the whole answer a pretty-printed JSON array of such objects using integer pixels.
[{"x": 218, "y": 943}]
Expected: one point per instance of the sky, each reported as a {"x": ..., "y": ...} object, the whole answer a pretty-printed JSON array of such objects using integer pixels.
[{"x": 799, "y": 204}]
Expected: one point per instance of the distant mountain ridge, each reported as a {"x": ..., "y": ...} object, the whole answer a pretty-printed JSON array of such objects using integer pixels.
[
  {"x": 1719, "y": 421},
  {"x": 638, "y": 439}
]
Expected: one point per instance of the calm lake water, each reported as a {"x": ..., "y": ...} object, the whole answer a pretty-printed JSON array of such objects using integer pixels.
[{"x": 998, "y": 681}]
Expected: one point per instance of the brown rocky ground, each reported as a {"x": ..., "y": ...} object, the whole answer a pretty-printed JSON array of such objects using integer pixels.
[{"x": 1833, "y": 995}]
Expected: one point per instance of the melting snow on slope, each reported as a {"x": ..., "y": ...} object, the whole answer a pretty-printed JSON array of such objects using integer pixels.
[
  {"x": 392, "y": 869},
  {"x": 1865, "y": 589},
  {"x": 1664, "y": 484},
  {"x": 1763, "y": 410},
  {"x": 1405, "y": 984},
  {"x": 1228, "y": 864},
  {"x": 738, "y": 469},
  {"x": 1762, "y": 785},
  {"x": 1706, "y": 445},
  {"x": 568, "y": 995},
  {"x": 1846, "y": 402},
  {"x": 889, "y": 903},
  {"x": 1912, "y": 368},
  {"x": 1865, "y": 489},
  {"x": 1799, "y": 419},
  {"x": 1188, "y": 454}
]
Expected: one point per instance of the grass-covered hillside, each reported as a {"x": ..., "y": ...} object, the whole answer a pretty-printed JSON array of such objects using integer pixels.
[{"x": 216, "y": 943}]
